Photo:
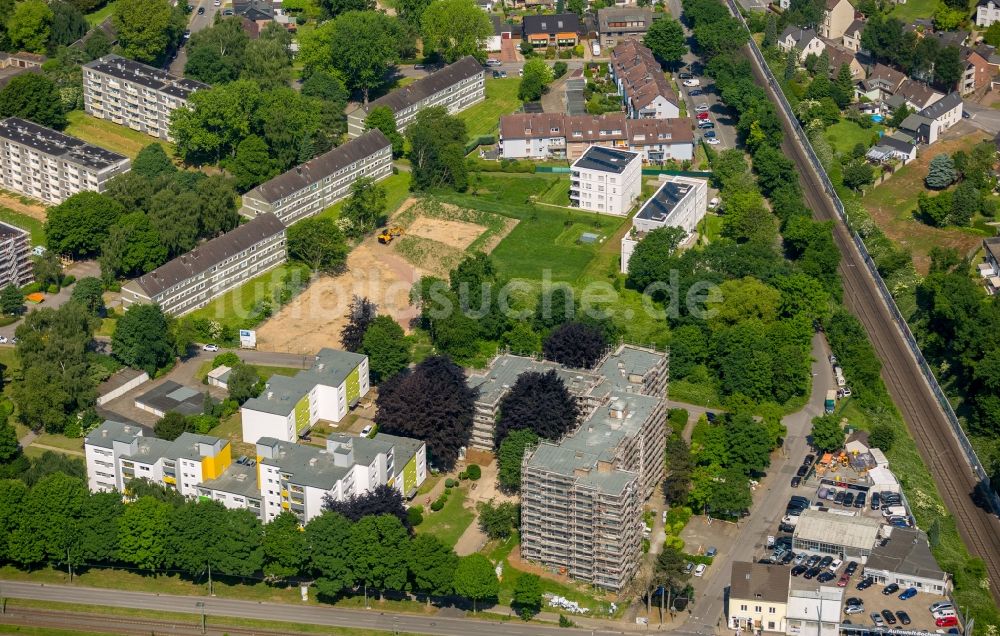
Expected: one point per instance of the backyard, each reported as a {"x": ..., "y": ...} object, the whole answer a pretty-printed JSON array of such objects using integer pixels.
[
  {"x": 110, "y": 135},
  {"x": 501, "y": 99},
  {"x": 845, "y": 135}
]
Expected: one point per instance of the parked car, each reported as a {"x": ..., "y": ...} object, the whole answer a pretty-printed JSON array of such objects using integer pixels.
[
  {"x": 944, "y": 613},
  {"x": 696, "y": 92},
  {"x": 706, "y": 124},
  {"x": 908, "y": 593},
  {"x": 366, "y": 431},
  {"x": 3, "y": 339},
  {"x": 688, "y": 567},
  {"x": 798, "y": 570},
  {"x": 210, "y": 347},
  {"x": 712, "y": 141},
  {"x": 825, "y": 562},
  {"x": 811, "y": 573},
  {"x": 702, "y": 108},
  {"x": 903, "y": 617},
  {"x": 700, "y": 570},
  {"x": 889, "y": 617},
  {"x": 418, "y": 67},
  {"x": 710, "y": 134},
  {"x": 496, "y": 74},
  {"x": 702, "y": 116},
  {"x": 892, "y": 588},
  {"x": 493, "y": 62},
  {"x": 788, "y": 558},
  {"x": 685, "y": 75},
  {"x": 848, "y": 499},
  {"x": 940, "y": 605},
  {"x": 825, "y": 576},
  {"x": 809, "y": 459},
  {"x": 201, "y": 10},
  {"x": 859, "y": 502},
  {"x": 813, "y": 560},
  {"x": 851, "y": 568},
  {"x": 713, "y": 202},
  {"x": 854, "y": 609},
  {"x": 711, "y": 417},
  {"x": 800, "y": 558},
  {"x": 835, "y": 565},
  {"x": 854, "y": 600},
  {"x": 796, "y": 481},
  {"x": 864, "y": 584},
  {"x": 877, "y": 619},
  {"x": 692, "y": 82},
  {"x": 802, "y": 471},
  {"x": 875, "y": 501},
  {"x": 947, "y": 621},
  {"x": 711, "y": 552}
]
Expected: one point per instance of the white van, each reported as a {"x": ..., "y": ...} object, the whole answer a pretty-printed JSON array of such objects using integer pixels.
[{"x": 596, "y": 48}]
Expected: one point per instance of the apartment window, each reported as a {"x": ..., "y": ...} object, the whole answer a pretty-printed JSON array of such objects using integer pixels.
[
  {"x": 756, "y": 608},
  {"x": 772, "y": 610}
]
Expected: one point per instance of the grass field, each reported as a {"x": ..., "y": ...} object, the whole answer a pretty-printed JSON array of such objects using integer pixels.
[
  {"x": 450, "y": 522},
  {"x": 397, "y": 188},
  {"x": 96, "y": 17},
  {"x": 914, "y": 9},
  {"x": 235, "y": 306},
  {"x": 844, "y": 135},
  {"x": 23, "y": 221},
  {"x": 544, "y": 242},
  {"x": 110, "y": 135},
  {"x": 501, "y": 99}
]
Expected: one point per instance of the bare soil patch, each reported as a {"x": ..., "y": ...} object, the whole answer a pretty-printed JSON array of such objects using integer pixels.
[{"x": 458, "y": 234}]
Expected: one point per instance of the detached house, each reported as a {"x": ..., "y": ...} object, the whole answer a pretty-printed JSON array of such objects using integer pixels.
[
  {"x": 758, "y": 597},
  {"x": 881, "y": 83},
  {"x": 558, "y": 30},
  {"x": 927, "y": 125},
  {"x": 987, "y": 12},
  {"x": 852, "y": 36},
  {"x": 804, "y": 41},
  {"x": 915, "y": 95},
  {"x": 976, "y": 73},
  {"x": 837, "y": 17},
  {"x": 617, "y": 24},
  {"x": 839, "y": 56}
]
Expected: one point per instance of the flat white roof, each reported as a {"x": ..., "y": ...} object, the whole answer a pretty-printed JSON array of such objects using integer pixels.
[{"x": 824, "y": 527}]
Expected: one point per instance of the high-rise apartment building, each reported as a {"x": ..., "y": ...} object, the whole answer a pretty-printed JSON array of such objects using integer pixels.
[{"x": 15, "y": 256}]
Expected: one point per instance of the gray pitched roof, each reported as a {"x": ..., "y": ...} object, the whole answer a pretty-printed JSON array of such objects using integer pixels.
[
  {"x": 401, "y": 98},
  {"x": 559, "y": 23},
  {"x": 624, "y": 14},
  {"x": 942, "y": 106},
  {"x": 896, "y": 144},
  {"x": 208, "y": 254},
  {"x": 908, "y": 553},
  {"x": 758, "y": 581},
  {"x": 319, "y": 168}
]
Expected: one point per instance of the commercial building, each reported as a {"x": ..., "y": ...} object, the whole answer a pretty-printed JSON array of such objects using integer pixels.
[
  {"x": 617, "y": 24},
  {"x": 281, "y": 476},
  {"x": 46, "y": 164},
  {"x": 541, "y": 31},
  {"x": 319, "y": 183},
  {"x": 15, "y": 256},
  {"x": 135, "y": 95},
  {"x": 905, "y": 559},
  {"x": 758, "y": 597},
  {"x": 813, "y": 610},
  {"x": 844, "y": 537},
  {"x": 290, "y": 405},
  {"x": 455, "y": 87},
  {"x": 581, "y": 497},
  {"x": 679, "y": 202},
  {"x": 644, "y": 88},
  {"x": 193, "y": 280},
  {"x": 557, "y": 136},
  {"x": 606, "y": 180}
]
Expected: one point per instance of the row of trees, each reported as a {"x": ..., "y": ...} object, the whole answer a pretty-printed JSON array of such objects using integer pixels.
[
  {"x": 145, "y": 217},
  {"x": 353, "y": 546}
]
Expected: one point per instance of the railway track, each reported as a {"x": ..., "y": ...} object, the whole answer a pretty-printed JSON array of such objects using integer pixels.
[{"x": 927, "y": 423}]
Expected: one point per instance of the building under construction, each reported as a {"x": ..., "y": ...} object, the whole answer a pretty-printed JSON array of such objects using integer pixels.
[{"x": 581, "y": 497}]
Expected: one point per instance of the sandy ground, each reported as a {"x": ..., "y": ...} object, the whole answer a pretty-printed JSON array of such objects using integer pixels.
[
  {"x": 457, "y": 234},
  {"x": 315, "y": 318},
  {"x": 12, "y": 201}
]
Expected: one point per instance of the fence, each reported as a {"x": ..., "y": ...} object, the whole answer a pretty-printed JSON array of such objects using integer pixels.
[{"x": 904, "y": 328}]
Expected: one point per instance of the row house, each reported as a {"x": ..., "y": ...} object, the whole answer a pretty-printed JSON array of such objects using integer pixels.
[
  {"x": 645, "y": 90},
  {"x": 554, "y": 135},
  {"x": 560, "y": 30}
]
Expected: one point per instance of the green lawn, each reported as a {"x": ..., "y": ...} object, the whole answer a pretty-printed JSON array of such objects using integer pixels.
[
  {"x": 450, "y": 522},
  {"x": 914, "y": 9},
  {"x": 236, "y": 306},
  {"x": 72, "y": 444},
  {"x": 501, "y": 99},
  {"x": 109, "y": 135},
  {"x": 397, "y": 188},
  {"x": 25, "y": 222},
  {"x": 96, "y": 17},
  {"x": 844, "y": 135},
  {"x": 544, "y": 241}
]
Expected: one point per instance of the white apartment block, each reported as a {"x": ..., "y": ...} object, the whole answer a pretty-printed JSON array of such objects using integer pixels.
[
  {"x": 46, "y": 164},
  {"x": 606, "y": 180},
  {"x": 290, "y": 405},
  {"x": 281, "y": 476},
  {"x": 319, "y": 183},
  {"x": 455, "y": 87},
  {"x": 679, "y": 202},
  {"x": 15, "y": 256},
  {"x": 987, "y": 12},
  {"x": 135, "y": 95},
  {"x": 194, "y": 279}
]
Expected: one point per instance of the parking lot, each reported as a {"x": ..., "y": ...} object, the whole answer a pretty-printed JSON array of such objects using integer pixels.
[{"x": 875, "y": 601}]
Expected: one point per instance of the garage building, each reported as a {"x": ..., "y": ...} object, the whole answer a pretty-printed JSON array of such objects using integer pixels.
[{"x": 845, "y": 537}]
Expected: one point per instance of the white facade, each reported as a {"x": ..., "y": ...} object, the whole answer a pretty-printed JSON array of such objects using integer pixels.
[
  {"x": 603, "y": 187},
  {"x": 679, "y": 202},
  {"x": 987, "y": 13},
  {"x": 812, "y": 612},
  {"x": 46, "y": 164}
]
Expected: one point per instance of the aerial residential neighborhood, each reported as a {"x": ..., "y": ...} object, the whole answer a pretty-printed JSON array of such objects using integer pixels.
[{"x": 471, "y": 316}]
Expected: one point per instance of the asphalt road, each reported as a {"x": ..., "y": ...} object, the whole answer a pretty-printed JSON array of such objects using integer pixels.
[
  {"x": 303, "y": 614},
  {"x": 982, "y": 117},
  {"x": 769, "y": 504},
  {"x": 195, "y": 23},
  {"x": 937, "y": 443}
]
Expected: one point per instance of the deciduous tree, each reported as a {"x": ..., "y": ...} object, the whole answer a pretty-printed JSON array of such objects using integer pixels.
[
  {"x": 142, "y": 534},
  {"x": 244, "y": 383},
  {"x": 535, "y": 80},
  {"x": 386, "y": 347},
  {"x": 286, "y": 548},
  {"x": 361, "y": 314},
  {"x": 79, "y": 225},
  {"x": 455, "y": 28},
  {"x": 497, "y": 521},
  {"x": 381, "y": 500},
  {"x": 141, "y": 338},
  {"x": 11, "y": 300},
  {"x": 665, "y": 38},
  {"x": 382, "y": 118},
  {"x": 147, "y": 28},
  {"x": 29, "y": 27},
  {"x": 363, "y": 45},
  {"x": 431, "y": 565},
  {"x": 365, "y": 208},
  {"x": 34, "y": 97},
  {"x": 527, "y": 597},
  {"x": 827, "y": 435},
  {"x": 510, "y": 455},
  {"x": 437, "y": 150},
  {"x": 319, "y": 243},
  {"x": 575, "y": 344},
  {"x": 538, "y": 402},
  {"x": 475, "y": 579},
  {"x": 327, "y": 536},
  {"x": 378, "y": 552}
]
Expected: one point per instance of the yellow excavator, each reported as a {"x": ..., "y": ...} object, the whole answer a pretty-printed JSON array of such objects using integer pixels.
[{"x": 386, "y": 236}]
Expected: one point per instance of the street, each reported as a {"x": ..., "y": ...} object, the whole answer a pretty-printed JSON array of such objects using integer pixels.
[
  {"x": 983, "y": 117},
  {"x": 195, "y": 23},
  {"x": 770, "y": 500}
]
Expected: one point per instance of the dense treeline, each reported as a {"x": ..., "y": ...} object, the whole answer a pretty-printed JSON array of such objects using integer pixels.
[{"x": 58, "y": 522}]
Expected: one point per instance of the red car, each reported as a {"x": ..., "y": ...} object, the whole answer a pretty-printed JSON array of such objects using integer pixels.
[
  {"x": 844, "y": 580},
  {"x": 947, "y": 621},
  {"x": 702, "y": 115}
]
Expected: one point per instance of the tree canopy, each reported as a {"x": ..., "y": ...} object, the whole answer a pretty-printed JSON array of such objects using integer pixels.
[
  {"x": 538, "y": 402},
  {"x": 455, "y": 28}
]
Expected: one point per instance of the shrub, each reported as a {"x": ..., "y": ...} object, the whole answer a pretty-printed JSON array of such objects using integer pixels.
[
  {"x": 449, "y": 483},
  {"x": 463, "y": 476},
  {"x": 437, "y": 505},
  {"x": 565, "y": 622},
  {"x": 68, "y": 280},
  {"x": 415, "y": 515},
  {"x": 565, "y": 54},
  {"x": 53, "y": 289},
  {"x": 474, "y": 472}
]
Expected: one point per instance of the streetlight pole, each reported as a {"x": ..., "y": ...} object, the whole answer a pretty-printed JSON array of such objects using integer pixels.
[{"x": 201, "y": 606}]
